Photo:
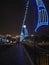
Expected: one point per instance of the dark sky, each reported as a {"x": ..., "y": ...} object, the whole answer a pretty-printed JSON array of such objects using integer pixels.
[{"x": 12, "y": 13}]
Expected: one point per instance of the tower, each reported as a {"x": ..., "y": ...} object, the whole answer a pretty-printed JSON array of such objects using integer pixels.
[
  {"x": 42, "y": 14},
  {"x": 24, "y": 31}
]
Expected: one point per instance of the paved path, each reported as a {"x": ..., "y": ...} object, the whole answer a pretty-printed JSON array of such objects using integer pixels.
[{"x": 13, "y": 55}]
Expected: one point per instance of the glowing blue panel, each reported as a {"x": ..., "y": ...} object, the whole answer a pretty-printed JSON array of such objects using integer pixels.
[
  {"x": 24, "y": 32},
  {"x": 26, "y": 12},
  {"x": 42, "y": 14},
  {"x": 3, "y": 40}
]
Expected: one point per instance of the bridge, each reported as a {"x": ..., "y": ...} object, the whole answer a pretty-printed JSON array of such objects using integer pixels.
[
  {"x": 27, "y": 50},
  {"x": 42, "y": 18}
]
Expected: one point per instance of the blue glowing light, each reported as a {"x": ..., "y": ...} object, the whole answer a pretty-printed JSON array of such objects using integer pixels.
[
  {"x": 2, "y": 40},
  {"x": 24, "y": 32},
  {"x": 42, "y": 14}
]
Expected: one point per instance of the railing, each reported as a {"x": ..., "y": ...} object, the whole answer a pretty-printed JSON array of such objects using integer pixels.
[{"x": 42, "y": 59}]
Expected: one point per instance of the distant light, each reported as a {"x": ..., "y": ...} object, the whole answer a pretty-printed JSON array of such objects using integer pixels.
[
  {"x": 24, "y": 26},
  {"x": 7, "y": 40},
  {"x": 17, "y": 36},
  {"x": 10, "y": 41},
  {"x": 14, "y": 37},
  {"x": 32, "y": 35},
  {"x": 8, "y": 35}
]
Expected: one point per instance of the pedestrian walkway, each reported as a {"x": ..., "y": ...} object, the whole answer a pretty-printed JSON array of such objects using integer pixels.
[{"x": 14, "y": 55}]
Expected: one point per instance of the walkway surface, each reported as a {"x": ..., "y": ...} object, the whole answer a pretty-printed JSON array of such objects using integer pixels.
[{"x": 13, "y": 55}]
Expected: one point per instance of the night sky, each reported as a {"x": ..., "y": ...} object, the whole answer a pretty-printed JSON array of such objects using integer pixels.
[{"x": 12, "y": 14}]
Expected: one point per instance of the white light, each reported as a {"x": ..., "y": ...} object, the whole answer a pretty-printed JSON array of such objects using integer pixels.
[
  {"x": 32, "y": 35},
  {"x": 7, "y": 40},
  {"x": 24, "y": 26},
  {"x": 21, "y": 33},
  {"x": 10, "y": 41}
]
